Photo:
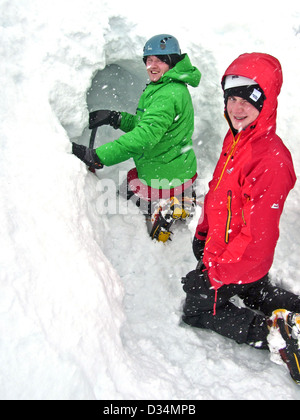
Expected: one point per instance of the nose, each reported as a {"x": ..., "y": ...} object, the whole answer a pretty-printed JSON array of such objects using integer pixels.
[
  {"x": 153, "y": 65},
  {"x": 238, "y": 107}
]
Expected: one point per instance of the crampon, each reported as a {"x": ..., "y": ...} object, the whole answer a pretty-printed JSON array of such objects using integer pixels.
[
  {"x": 167, "y": 212},
  {"x": 285, "y": 340}
]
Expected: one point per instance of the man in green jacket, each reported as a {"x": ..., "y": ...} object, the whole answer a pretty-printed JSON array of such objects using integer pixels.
[{"x": 158, "y": 137}]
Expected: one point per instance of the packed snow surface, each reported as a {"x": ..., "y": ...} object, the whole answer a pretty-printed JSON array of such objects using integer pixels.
[{"x": 90, "y": 307}]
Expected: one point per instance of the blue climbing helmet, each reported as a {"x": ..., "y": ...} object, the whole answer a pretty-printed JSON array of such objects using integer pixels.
[{"x": 162, "y": 45}]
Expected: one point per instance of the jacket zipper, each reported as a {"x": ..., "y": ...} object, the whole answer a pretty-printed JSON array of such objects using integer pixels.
[
  {"x": 229, "y": 204},
  {"x": 231, "y": 154}
]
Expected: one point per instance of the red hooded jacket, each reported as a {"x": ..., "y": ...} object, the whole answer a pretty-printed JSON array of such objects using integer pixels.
[{"x": 255, "y": 173}]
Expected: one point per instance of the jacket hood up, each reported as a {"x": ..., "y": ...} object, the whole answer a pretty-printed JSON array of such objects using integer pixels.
[{"x": 266, "y": 71}]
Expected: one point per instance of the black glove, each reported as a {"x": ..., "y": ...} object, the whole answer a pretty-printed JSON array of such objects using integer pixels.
[
  {"x": 88, "y": 156},
  {"x": 104, "y": 117},
  {"x": 198, "y": 248}
]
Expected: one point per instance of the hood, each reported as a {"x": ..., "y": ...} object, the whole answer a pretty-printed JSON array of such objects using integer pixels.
[
  {"x": 184, "y": 72},
  {"x": 266, "y": 71}
]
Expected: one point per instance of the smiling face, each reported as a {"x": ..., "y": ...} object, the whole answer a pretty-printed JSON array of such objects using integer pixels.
[
  {"x": 156, "y": 68},
  {"x": 241, "y": 112}
]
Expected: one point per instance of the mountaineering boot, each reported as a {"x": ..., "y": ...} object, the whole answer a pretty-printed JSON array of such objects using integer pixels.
[
  {"x": 284, "y": 339},
  {"x": 166, "y": 213},
  {"x": 161, "y": 227}
]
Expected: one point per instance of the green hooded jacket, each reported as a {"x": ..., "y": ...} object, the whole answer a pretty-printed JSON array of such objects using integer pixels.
[{"x": 159, "y": 136}]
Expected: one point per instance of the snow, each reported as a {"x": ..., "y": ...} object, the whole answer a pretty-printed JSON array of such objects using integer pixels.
[{"x": 90, "y": 308}]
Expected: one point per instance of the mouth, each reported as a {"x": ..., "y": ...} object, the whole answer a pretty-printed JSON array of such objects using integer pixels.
[
  {"x": 151, "y": 71},
  {"x": 240, "y": 119}
]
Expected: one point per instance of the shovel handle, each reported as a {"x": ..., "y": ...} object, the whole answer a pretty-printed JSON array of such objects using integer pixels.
[
  {"x": 92, "y": 138},
  {"x": 91, "y": 144}
]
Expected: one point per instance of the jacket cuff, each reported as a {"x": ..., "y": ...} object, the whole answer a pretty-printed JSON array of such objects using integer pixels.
[{"x": 201, "y": 236}]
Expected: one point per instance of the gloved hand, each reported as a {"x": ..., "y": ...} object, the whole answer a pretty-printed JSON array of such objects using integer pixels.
[
  {"x": 104, "y": 117},
  {"x": 88, "y": 156}
]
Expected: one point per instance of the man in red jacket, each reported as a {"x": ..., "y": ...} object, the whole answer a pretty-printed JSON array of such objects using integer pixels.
[{"x": 238, "y": 231}]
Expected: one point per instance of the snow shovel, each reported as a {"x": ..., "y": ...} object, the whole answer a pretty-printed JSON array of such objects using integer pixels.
[{"x": 91, "y": 144}]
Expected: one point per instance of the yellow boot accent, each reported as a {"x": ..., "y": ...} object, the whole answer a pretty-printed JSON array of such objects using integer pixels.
[
  {"x": 163, "y": 236},
  {"x": 177, "y": 208},
  {"x": 283, "y": 312},
  {"x": 280, "y": 313}
]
